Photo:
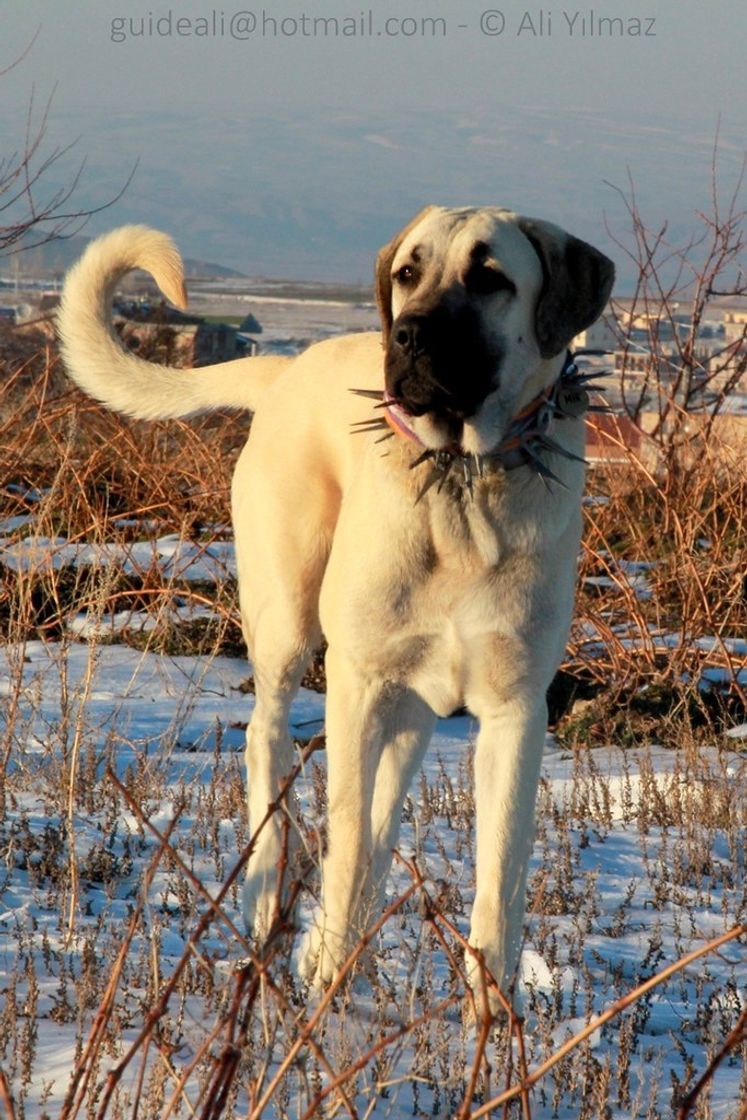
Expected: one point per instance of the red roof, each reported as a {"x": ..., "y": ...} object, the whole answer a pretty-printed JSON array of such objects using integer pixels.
[{"x": 609, "y": 436}]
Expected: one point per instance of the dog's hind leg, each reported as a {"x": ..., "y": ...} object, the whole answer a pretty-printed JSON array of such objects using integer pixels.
[
  {"x": 408, "y": 728},
  {"x": 376, "y": 736},
  {"x": 282, "y": 548},
  {"x": 269, "y": 759}
]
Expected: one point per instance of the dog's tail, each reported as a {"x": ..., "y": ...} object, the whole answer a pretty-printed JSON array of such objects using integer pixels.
[{"x": 97, "y": 361}]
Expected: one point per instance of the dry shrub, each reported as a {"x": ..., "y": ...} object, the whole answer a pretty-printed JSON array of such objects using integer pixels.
[
  {"x": 661, "y": 633},
  {"x": 72, "y": 471},
  {"x": 635, "y": 665},
  {"x": 665, "y": 531},
  {"x": 92, "y": 466}
]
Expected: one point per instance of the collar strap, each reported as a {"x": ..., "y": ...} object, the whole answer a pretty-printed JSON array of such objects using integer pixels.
[{"x": 531, "y": 430}]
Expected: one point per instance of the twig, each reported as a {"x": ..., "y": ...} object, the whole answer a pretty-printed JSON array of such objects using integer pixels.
[
  {"x": 85, "y": 1064},
  {"x": 185, "y": 870},
  {"x": 732, "y": 1040},
  {"x": 72, "y": 780},
  {"x": 327, "y": 998},
  {"x": 213, "y": 911},
  {"x": 475, "y": 953},
  {"x": 6, "y": 1097},
  {"x": 611, "y": 1012},
  {"x": 382, "y": 1044},
  {"x": 487, "y": 980}
]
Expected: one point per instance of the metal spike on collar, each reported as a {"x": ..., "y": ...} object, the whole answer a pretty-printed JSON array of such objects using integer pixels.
[
  {"x": 433, "y": 477},
  {"x": 467, "y": 472},
  {"x": 550, "y": 444},
  {"x": 427, "y": 454},
  {"x": 445, "y": 469},
  {"x": 568, "y": 398},
  {"x": 541, "y": 468},
  {"x": 373, "y": 394},
  {"x": 372, "y": 425},
  {"x": 542, "y": 472},
  {"x": 578, "y": 378}
]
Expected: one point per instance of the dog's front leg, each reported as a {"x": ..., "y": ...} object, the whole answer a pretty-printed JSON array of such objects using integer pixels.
[
  {"x": 508, "y": 758},
  {"x": 356, "y": 716}
]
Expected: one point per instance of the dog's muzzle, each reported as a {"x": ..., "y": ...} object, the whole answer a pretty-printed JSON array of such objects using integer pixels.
[
  {"x": 436, "y": 363},
  {"x": 413, "y": 380}
]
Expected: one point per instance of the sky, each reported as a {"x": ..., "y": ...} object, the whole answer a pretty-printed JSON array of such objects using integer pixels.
[{"x": 266, "y": 142}]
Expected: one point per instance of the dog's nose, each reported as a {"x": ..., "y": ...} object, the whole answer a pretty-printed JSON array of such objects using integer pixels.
[{"x": 409, "y": 335}]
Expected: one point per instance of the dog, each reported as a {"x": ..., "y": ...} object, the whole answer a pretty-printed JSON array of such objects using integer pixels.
[{"x": 415, "y": 497}]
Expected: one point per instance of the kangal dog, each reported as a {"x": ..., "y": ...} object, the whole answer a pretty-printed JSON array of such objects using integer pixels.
[{"x": 415, "y": 497}]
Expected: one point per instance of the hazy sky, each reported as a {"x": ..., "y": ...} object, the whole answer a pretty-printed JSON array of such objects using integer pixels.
[
  {"x": 692, "y": 63},
  {"x": 217, "y": 102}
]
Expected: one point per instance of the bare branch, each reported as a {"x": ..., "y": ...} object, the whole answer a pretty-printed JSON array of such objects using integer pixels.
[
  {"x": 617, "y": 1007},
  {"x": 35, "y": 215},
  {"x": 17, "y": 61}
]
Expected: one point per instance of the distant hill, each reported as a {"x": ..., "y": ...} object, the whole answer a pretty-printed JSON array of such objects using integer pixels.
[
  {"x": 331, "y": 188},
  {"x": 55, "y": 257}
]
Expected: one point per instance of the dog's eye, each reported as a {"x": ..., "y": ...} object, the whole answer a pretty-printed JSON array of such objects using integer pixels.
[
  {"x": 405, "y": 275},
  {"x": 484, "y": 280}
]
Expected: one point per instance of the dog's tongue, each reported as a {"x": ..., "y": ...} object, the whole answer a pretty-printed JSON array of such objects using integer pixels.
[{"x": 397, "y": 418}]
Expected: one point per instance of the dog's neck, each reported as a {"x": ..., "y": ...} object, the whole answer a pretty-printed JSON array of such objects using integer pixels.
[{"x": 564, "y": 398}]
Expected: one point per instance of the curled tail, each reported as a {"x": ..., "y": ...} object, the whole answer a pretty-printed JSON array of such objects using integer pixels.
[{"x": 97, "y": 361}]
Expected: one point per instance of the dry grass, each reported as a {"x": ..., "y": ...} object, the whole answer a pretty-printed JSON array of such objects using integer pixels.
[
  {"x": 74, "y": 474},
  {"x": 670, "y": 548},
  {"x": 662, "y": 605}
]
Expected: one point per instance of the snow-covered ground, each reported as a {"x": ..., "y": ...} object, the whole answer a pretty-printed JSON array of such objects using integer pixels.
[{"x": 639, "y": 859}]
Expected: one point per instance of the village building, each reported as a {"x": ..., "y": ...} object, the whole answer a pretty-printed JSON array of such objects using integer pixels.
[{"x": 178, "y": 337}]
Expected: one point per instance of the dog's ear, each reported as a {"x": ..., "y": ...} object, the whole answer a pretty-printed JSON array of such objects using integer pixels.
[
  {"x": 383, "y": 272},
  {"x": 577, "y": 281}
]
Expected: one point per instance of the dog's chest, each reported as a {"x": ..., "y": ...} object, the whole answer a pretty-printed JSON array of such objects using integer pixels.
[{"x": 431, "y": 600}]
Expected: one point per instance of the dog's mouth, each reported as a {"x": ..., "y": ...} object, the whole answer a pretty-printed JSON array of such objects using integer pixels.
[
  {"x": 399, "y": 417},
  {"x": 447, "y": 427},
  {"x": 439, "y": 370},
  {"x": 438, "y": 429}
]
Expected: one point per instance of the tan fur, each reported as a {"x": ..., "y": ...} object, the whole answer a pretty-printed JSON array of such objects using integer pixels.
[{"x": 425, "y": 605}]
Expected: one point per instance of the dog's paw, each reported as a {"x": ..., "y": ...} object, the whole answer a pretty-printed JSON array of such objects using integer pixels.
[
  {"x": 490, "y": 997},
  {"x": 260, "y": 908},
  {"x": 316, "y": 964},
  {"x": 323, "y": 953}
]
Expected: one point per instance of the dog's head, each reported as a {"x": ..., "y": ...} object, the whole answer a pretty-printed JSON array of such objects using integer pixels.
[{"x": 475, "y": 304}]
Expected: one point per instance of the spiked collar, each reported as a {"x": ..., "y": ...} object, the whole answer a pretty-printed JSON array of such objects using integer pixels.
[{"x": 529, "y": 435}]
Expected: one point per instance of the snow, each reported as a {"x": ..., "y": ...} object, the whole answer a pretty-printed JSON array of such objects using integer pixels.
[{"x": 175, "y": 557}]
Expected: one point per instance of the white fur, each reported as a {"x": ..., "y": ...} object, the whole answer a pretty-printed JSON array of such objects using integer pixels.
[{"x": 425, "y": 606}]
